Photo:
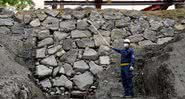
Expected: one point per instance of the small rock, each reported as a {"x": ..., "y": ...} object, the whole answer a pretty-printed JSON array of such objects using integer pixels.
[
  {"x": 6, "y": 22},
  {"x": 67, "y": 44},
  {"x": 78, "y": 14},
  {"x": 103, "y": 50},
  {"x": 150, "y": 35},
  {"x": 66, "y": 16},
  {"x": 60, "y": 53},
  {"x": 41, "y": 16},
  {"x": 90, "y": 54},
  {"x": 46, "y": 41},
  {"x": 35, "y": 23},
  {"x": 118, "y": 34},
  {"x": 179, "y": 27},
  {"x": 109, "y": 25},
  {"x": 43, "y": 34},
  {"x": 4, "y": 30},
  {"x": 52, "y": 12},
  {"x": 80, "y": 66},
  {"x": 18, "y": 28},
  {"x": 68, "y": 69},
  {"x": 54, "y": 49},
  {"x": 27, "y": 19},
  {"x": 111, "y": 14},
  {"x": 41, "y": 53},
  {"x": 68, "y": 25},
  {"x": 70, "y": 56},
  {"x": 169, "y": 22},
  {"x": 105, "y": 33},
  {"x": 168, "y": 31},
  {"x": 43, "y": 71},
  {"x": 61, "y": 70},
  {"x": 123, "y": 22},
  {"x": 46, "y": 83},
  {"x": 164, "y": 40},
  {"x": 60, "y": 35},
  {"x": 104, "y": 60},
  {"x": 99, "y": 40},
  {"x": 155, "y": 25},
  {"x": 49, "y": 61},
  {"x": 83, "y": 81},
  {"x": 80, "y": 34},
  {"x": 136, "y": 38},
  {"x": 135, "y": 28},
  {"x": 80, "y": 44},
  {"x": 55, "y": 71},
  {"x": 95, "y": 68},
  {"x": 63, "y": 81},
  {"x": 146, "y": 43},
  {"x": 51, "y": 23},
  {"x": 88, "y": 42},
  {"x": 82, "y": 24}
]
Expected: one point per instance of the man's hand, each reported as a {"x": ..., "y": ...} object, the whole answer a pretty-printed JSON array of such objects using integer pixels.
[{"x": 131, "y": 68}]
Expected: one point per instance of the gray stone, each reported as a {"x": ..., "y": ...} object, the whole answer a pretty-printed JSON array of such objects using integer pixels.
[
  {"x": 80, "y": 34},
  {"x": 67, "y": 25},
  {"x": 118, "y": 34},
  {"x": 80, "y": 44},
  {"x": 35, "y": 23},
  {"x": 68, "y": 69},
  {"x": 46, "y": 83},
  {"x": 42, "y": 16},
  {"x": 70, "y": 56},
  {"x": 51, "y": 61},
  {"x": 93, "y": 29},
  {"x": 90, "y": 54},
  {"x": 17, "y": 28},
  {"x": 55, "y": 71},
  {"x": 105, "y": 33},
  {"x": 135, "y": 28},
  {"x": 51, "y": 23},
  {"x": 41, "y": 53},
  {"x": 66, "y": 16},
  {"x": 27, "y": 19},
  {"x": 146, "y": 43},
  {"x": 99, "y": 40},
  {"x": 6, "y": 22},
  {"x": 43, "y": 34},
  {"x": 103, "y": 50},
  {"x": 67, "y": 44},
  {"x": 85, "y": 42},
  {"x": 61, "y": 70},
  {"x": 80, "y": 66},
  {"x": 83, "y": 81},
  {"x": 54, "y": 49},
  {"x": 78, "y": 14},
  {"x": 82, "y": 24},
  {"x": 109, "y": 25},
  {"x": 168, "y": 31},
  {"x": 104, "y": 60},
  {"x": 44, "y": 42},
  {"x": 4, "y": 30},
  {"x": 52, "y": 12},
  {"x": 155, "y": 25},
  {"x": 164, "y": 40},
  {"x": 123, "y": 22},
  {"x": 179, "y": 27},
  {"x": 111, "y": 14},
  {"x": 150, "y": 35},
  {"x": 62, "y": 81},
  {"x": 60, "y": 35},
  {"x": 136, "y": 38},
  {"x": 43, "y": 71},
  {"x": 60, "y": 53},
  {"x": 95, "y": 16},
  {"x": 169, "y": 22},
  {"x": 94, "y": 68}
]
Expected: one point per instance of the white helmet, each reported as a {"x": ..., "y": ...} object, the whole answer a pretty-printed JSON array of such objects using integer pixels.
[{"x": 126, "y": 41}]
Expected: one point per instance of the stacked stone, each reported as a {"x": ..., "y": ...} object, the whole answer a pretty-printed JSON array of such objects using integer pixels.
[{"x": 70, "y": 53}]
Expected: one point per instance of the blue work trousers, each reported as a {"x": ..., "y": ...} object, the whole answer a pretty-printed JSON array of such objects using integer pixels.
[{"x": 127, "y": 82}]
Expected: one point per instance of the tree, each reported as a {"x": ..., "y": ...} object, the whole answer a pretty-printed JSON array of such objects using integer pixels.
[{"x": 18, "y": 4}]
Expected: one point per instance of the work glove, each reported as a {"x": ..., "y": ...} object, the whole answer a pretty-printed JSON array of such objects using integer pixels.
[{"x": 131, "y": 68}]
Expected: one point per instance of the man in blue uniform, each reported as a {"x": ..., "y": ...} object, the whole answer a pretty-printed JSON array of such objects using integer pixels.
[{"x": 127, "y": 66}]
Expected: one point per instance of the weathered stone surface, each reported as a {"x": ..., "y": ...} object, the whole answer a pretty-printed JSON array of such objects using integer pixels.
[
  {"x": 51, "y": 23},
  {"x": 60, "y": 53},
  {"x": 80, "y": 44},
  {"x": 44, "y": 42},
  {"x": 168, "y": 31},
  {"x": 105, "y": 33},
  {"x": 99, "y": 41},
  {"x": 4, "y": 30},
  {"x": 118, "y": 34},
  {"x": 67, "y": 44},
  {"x": 6, "y": 22},
  {"x": 179, "y": 27},
  {"x": 66, "y": 16},
  {"x": 55, "y": 71},
  {"x": 155, "y": 25},
  {"x": 70, "y": 56},
  {"x": 82, "y": 24},
  {"x": 60, "y": 35},
  {"x": 46, "y": 83},
  {"x": 54, "y": 49},
  {"x": 111, "y": 14},
  {"x": 80, "y": 66},
  {"x": 146, "y": 43},
  {"x": 136, "y": 37},
  {"x": 78, "y": 14},
  {"x": 41, "y": 53},
  {"x": 85, "y": 42},
  {"x": 43, "y": 71},
  {"x": 104, "y": 60},
  {"x": 135, "y": 28},
  {"x": 52, "y": 12},
  {"x": 109, "y": 25},
  {"x": 68, "y": 25},
  {"x": 123, "y": 22},
  {"x": 35, "y": 23},
  {"x": 62, "y": 81},
  {"x": 51, "y": 61},
  {"x": 43, "y": 34},
  {"x": 103, "y": 50},
  {"x": 95, "y": 16},
  {"x": 150, "y": 35},
  {"x": 169, "y": 22},
  {"x": 42, "y": 16},
  {"x": 164, "y": 40},
  {"x": 26, "y": 18},
  {"x": 90, "y": 54},
  {"x": 68, "y": 69},
  {"x": 80, "y": 34},
  {"x": 83, "y": 81},
  {"x": 61, "y": 70},
  {"x": 94, "y": 68},
  {"x": 18, "y": 28}
]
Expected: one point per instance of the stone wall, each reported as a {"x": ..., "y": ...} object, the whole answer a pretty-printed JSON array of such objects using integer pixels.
[{"x": 70, "y": 53}]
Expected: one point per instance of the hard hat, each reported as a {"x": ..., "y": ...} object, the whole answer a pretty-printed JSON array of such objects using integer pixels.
[{"x": 126, "y": 41}]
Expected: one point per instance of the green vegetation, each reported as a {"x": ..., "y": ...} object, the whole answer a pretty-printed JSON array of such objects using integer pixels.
[{"x": 18, "y": 4}]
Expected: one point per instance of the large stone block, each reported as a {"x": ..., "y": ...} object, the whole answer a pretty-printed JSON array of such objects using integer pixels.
[
  {"x": 62, "y": 81},
  {"x": 44, "y": 42},
  {"x": 101, "y": 41},
  {"x": 51, "y": 23},
  {"x": 42, "y": 71},
  {"x": 51, "y": 61},
  {"x": 80, "y": 34},
  {"x": 41, "y": 53},
  {"x": 6, "y": 22},
  {"x": 80, "y": 66},
  {"x": 68, "y": 25},
  {"x": 94, "y": 68},
  {"x": 90, "y": 54}
]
